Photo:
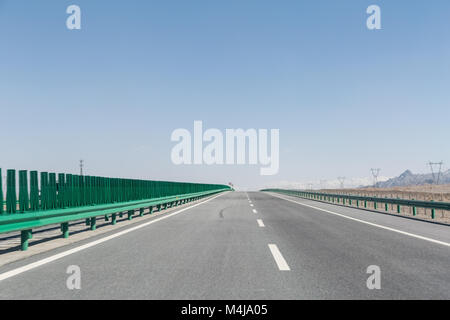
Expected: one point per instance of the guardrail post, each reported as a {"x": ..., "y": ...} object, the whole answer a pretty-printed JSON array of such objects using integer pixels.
[
  {"x": 130, "y": 214},
  {"x": 399, "y": 209},
  {"x": 150, "y": 210},
  {"x": 357, "y": 203},
  {"x": 25, "y": 235},
  {"x": 141, "y": 212},
  {"x": 158, "y": 207},
  {"x": 375, "y": 205},
  {"x": 113, "y": 219},
  {"x": 433, "y": 212},
  {"x": 365, "y": 203},
  {"x": 386, "y": 206},
  {"x": 88, "y": 221},
  {"x": 414, "y": 211},
  {"x": 65, "y": 230},
  {"x": 93, "y": 223}
]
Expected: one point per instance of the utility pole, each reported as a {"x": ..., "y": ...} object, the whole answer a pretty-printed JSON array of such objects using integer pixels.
[
  {"x": 436, "y": 175},
  {"x": 341, "y": 181},
  {"x": 375, "y": 174},
  {"x": 81, "y": 167}
]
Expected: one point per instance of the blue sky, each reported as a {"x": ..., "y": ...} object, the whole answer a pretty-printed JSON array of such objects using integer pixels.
[{"x": 344, "y": 98}]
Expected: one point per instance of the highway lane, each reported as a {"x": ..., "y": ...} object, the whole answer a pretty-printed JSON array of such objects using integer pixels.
[
  {"x": 235, "y": 248},
  {"x": 336, "y": 251}
]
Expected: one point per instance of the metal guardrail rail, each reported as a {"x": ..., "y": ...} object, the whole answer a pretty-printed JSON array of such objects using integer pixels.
[
  {"x": 361, "y": 201},
  {"x": 52, "y": 200}
]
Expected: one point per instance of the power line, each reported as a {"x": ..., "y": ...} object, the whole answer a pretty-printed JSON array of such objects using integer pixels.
[
  {"x": 436, "y": 175},
  {"x": 81, "y": 167},
  {"x": 375, "y": 174},
  {"x": 341, "y": 181}
]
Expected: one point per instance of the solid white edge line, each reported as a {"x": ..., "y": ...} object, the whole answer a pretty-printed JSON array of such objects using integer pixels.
[
  {"x": 39, "y": 263},
  {"x": 281, "y": 263},
  {"x": 260, "y": 223},
  {"x": 369, "y": 223}
]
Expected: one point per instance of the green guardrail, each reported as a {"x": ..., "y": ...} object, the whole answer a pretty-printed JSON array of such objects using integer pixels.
[
  {"x": 62, "y": 198},
  {"x": 362, "y": 201}
]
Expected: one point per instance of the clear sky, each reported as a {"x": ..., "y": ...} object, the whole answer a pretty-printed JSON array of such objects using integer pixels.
[{"x": 345, "y": 98}]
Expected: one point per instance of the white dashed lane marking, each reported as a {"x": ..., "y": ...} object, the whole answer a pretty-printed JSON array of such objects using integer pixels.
[{"x": 281, "y": 263}]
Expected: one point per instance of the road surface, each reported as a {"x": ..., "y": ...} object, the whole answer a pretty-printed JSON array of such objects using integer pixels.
[{"x": 242, "y": 245}]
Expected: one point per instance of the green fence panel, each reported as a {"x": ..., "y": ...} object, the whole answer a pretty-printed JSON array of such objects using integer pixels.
[
  {"x": 44, "y": 191},
  {"x": 23, "y": 191},
  {"x": 50, "y": 191},
  {"x": 61, "y": 190},
  {"x": 34, "y": 191},
  {"x": 52, "y": 203},
  {"x": 11, "y": 198}
]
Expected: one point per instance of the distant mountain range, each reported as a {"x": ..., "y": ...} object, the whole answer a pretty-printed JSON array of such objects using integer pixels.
[{"x": 408, "y": 178}]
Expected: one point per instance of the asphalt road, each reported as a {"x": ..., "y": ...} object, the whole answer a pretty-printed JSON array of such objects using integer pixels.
[{"x": 226, "y": 248}]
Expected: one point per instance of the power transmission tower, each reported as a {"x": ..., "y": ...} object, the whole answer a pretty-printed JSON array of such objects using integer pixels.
[
  {"x": 341, "y": 181},
  {"x": 81, "y": 167},
  {"x": 436, "y": 175},
  {"x": 375, "y": 174}
]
